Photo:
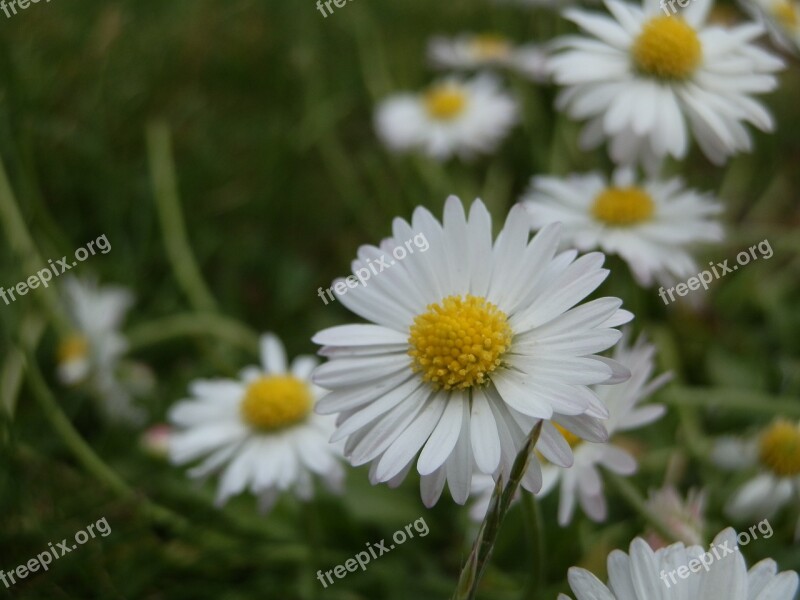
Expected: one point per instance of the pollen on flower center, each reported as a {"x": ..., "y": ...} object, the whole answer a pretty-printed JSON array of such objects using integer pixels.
[
  {"x": 623, "y": 206},
  {"x": 667, "y": 48},
  {"x": 490, "y": 46},
  {"x": 276, "y": 401},
  {"x": 457, "y": 343},
  {"x": 445, "y": 102},
  {"x": 74, "y": 347},
  {"x": 779, "y": 449}
]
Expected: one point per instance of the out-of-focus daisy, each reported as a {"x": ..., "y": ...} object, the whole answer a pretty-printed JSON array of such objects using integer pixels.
[
  {"x": 475, "y": 51},
  {"x": 652, "y": 224},
  {"x": 781, "y": 18},
  {"x": 469, "y": 345},
  {"x": 582, "y": 482},
  {"x": 582, "y": 479},
  {"x": 452, "y": 117},
  {"x": 644, "y": 574},
  {"x": 642, "y": 76},
  {"x": 260, "y": 430},
  {"x": 683, "y": 517},
  {"x": 91, "y": 355},
  {"x": 775, "y": 454}
]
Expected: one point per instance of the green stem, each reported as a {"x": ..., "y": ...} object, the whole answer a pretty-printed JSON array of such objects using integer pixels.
[
  {"x": 490, "y": 528},
  {"x": 192, "y": 325},
  {"x": 12, "y": 373},
  {"x": 635, "y": 500},
  {"x": 173, "y": 228},
  {"x": 22, "y": 244},
  {"x": 535, "y": 535},
  {"x": 733, "y": 399},
  {"x": 87, "y": 457},
  {"x": 225, "y": 542}
]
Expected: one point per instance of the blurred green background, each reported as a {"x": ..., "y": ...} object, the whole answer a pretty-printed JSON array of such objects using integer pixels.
[{"x": 281, "y": 178}]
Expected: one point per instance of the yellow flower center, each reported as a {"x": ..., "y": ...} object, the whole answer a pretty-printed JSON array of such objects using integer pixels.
[
  {"x": 667, "y": 48},
  {"x": 445, "y": 102},
  {"x": 572, "y": 439},
  {"x": 623, "y": 206},
  {"x": 459, "y": 342},
  {"x": 490, "y": 46},
  {"x": 276, "y": 401},
  {"x": 779, "y": 450},
  {"x": 74, "y": 347},
  {"x": 786, "y": 14}
]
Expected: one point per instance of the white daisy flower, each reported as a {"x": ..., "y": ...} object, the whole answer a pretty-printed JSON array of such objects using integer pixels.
[
  {"x": 652, "y": 224},
  {"x": 684, "y": 517},
  {"x": 775, "y": 453},
  {"x": 452, "y": 117},
  {"x": 781, "y": 18},
  {"x": 644, "y": 76},
  {"x": 260, "y": 430},
  {"x": 582, "y": 481},
  {"x": 470, "y": 345},
  {"x": 644, "y": 574},
  {"x": 475, "y": 51},
  {"x": 92, "y": 354}
]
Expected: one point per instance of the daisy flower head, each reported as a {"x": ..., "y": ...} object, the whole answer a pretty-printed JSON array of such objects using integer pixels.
[
  {"x": 781, "y": 18},
  {"x": 475, "y": 51},
  {"x": 582, "y": 482},
  {"x": 454, "y": 116},
  {"x": 652, "y": 224},
  {"x": 92, "y": 354},
  {"x": 645, "y": 574},
  {"x": 684, "y": 517},
  {"x": 774, "y": 455},
  {"x": 645, "y": 80},
  {"x": 260, "y": 431},
  {"x": 467, "y": 347}
]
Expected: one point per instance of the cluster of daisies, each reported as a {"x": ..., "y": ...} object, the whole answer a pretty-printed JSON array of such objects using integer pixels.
[{"x": 462, "y": 351}]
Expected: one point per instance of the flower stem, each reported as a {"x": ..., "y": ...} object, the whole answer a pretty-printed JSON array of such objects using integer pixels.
[
  {"x": 22, "y": 244},
  {"x": 499, "y": 504},
  {"x": 733, "y": 399},
  {"x": 535, "y": 536},
  {"x": 192, "y": 325},
  {"x": 87, "y": 457},
  {"x": 173, "y": 228}
]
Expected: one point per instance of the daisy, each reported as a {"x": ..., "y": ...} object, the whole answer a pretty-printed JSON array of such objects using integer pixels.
[
  {"x": 781, "y": 18},
  {"x": 645, "y": 79},
  {"x": 684, "y": 517},
  {"x": 467, "y": 347},
  {"x": 652, "y": 224},
  {"x": 453, "y": 116},
  {"x": 91, "y": 355},
  {"x": 260, "y": 431},
  {"x": 644, "y": 574},
  {"x": 471, "y": 51},
  {"x": 582, "y": 482},
  {"x": 775, "y": 453}
]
